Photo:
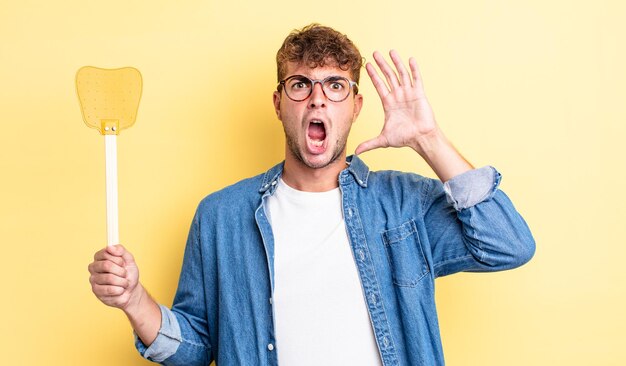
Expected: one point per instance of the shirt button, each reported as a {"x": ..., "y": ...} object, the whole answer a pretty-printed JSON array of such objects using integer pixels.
[
  {"x": 274, "y": 183},
  {"x": 373, "y": 298},
  {"x": 386, "y": 341},
  {"x": 270, "y": 347},
  {"x": 350, "y": 212},
  {"x": 361, "y": 254}
]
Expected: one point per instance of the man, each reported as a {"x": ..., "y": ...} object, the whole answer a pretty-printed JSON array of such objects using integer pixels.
[{"x": 319, "y": 260}]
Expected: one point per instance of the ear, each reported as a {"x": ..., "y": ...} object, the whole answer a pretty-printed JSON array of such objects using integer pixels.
[
  {"x": 358, "y": 103},
  {"x": 276, "y": 100}
]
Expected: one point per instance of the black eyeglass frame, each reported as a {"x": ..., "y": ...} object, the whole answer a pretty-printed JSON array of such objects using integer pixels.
[{"x": 353, "y": 84}]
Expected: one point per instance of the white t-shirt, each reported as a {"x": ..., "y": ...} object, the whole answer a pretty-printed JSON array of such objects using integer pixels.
[{"x": 319, "y": 308}]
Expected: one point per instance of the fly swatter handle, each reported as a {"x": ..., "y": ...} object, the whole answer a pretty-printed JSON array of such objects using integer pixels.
[{"x": 113, "y": 234}]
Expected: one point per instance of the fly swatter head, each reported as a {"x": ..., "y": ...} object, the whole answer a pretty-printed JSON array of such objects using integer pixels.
[{"x": 109, "y": 98}]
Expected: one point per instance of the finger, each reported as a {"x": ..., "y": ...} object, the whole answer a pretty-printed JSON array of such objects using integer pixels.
[
  {"x": 104, "y": 255},
  {"x": 107, "y": 291},
  {"x": 390, "y": 75},
  {"x": 107, "y": 279},
  {"x": 371, "y": 144},
  {"x": 119, "y": 251},
  {"x": 402, "y": 71},
  {"x": 107, "y": 267},
  {"x": 379, "y": 84},
  {"x": 417, "y": 77},
  {"x": 117, "y": 301}
]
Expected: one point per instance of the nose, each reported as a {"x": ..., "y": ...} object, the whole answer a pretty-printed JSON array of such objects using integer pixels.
[{"x": 317, "y": 98}]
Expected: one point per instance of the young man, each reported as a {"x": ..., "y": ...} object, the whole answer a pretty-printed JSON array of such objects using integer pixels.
[{"x": 319, "y": 260}]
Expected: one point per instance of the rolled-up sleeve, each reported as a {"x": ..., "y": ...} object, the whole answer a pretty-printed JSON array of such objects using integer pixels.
[
  {"x": 473, "y": 226},
  {"x": 472, "y": 187},
  {"x": 167, "y": 340}
]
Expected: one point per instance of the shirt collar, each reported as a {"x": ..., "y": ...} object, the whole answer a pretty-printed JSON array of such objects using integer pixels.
[{"x": 359, "y": 170}]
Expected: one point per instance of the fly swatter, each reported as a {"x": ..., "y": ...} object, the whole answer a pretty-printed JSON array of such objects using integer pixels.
[{"x": 109, "y": 99}]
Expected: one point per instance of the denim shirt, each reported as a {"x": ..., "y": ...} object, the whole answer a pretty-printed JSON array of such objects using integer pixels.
[{"x": 405, "y": 230}]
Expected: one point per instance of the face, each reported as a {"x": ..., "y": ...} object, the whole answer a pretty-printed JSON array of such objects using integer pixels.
[{"x": 316, "y": 129}]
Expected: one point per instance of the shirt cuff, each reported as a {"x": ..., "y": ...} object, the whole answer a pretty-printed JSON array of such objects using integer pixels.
[
  {"x": 167, "y": 341},
  {"x": 472, "y": 187}
]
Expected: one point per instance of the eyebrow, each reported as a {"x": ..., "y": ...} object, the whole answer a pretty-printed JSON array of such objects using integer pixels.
[
  {"x": 329, "y": 77},
  {"x": 334, "y": 78}
]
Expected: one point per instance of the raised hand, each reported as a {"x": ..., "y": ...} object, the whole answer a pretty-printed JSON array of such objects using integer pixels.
[
  {"x": 409, "y": 120},
  {"x": 408, "y": 116}
]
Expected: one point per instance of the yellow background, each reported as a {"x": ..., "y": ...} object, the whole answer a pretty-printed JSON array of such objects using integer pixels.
[{"x": 535, "y": 88}]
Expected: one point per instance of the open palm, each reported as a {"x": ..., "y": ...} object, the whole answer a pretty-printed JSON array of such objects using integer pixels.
[{"x": 408, "y": 115}]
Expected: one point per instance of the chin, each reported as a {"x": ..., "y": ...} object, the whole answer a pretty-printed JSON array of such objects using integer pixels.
[
  {"x": 299, "y": 152},
  {"x": 320, "y": 161}
]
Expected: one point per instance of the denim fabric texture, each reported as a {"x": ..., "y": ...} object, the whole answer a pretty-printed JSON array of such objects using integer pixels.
[{"x": 405, "y": 230}]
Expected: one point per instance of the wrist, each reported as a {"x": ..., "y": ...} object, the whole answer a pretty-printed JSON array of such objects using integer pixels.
[
  {"x": 441, "y": 155},
  {"x": 428, "y": 144},
  {"x": 144, "y": 315},
  {"x": 136, "y": 301}
]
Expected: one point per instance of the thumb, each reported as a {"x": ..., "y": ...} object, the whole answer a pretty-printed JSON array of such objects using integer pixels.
[
  {"x": 118, "y": 250},
  {"x": 376, "y": 142}
]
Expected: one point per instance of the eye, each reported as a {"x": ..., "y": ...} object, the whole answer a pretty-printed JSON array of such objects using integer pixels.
[
  {"x": 298, "y": 85},
  {"x": 335, "y": 85}
]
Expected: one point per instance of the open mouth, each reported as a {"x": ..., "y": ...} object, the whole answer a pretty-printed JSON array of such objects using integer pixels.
[{"x": 316, "y": 134}]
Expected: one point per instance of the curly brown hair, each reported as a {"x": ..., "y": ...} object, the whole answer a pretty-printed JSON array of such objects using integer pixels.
[{"x": 315, "y": 46}]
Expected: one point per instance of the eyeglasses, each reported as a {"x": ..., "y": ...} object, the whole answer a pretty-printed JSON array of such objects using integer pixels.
[{"x": 335, "y": 88}]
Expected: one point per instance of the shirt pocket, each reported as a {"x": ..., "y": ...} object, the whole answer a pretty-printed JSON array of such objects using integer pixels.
[{"x": 405, "y": 255}]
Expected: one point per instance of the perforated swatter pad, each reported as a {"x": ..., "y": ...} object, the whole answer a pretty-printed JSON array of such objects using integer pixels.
[{"x": 109, "y": 98}]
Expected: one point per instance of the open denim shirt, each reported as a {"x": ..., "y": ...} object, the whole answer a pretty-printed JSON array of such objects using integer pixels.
[{"x": 405, "y": 230}]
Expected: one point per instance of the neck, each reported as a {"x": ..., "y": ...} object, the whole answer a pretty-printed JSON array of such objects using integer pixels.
[{"x": 299, "y": 176}]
